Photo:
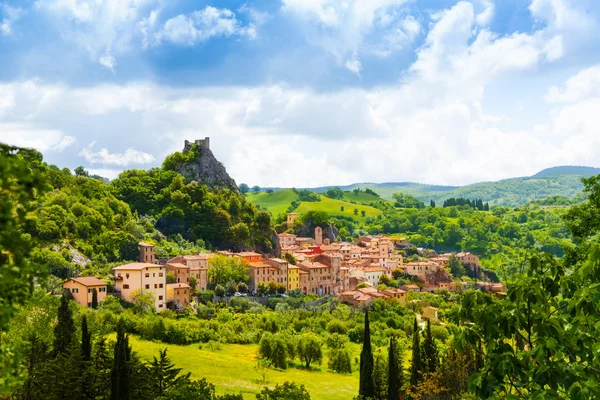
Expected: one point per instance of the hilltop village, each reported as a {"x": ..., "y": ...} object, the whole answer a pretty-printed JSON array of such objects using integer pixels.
[{"x": 356, "y": 272}]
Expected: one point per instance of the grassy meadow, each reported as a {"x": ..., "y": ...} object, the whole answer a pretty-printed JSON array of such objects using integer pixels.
[
  {"x": 231, "y": 370},
  {"x": 278, "y": 202}
]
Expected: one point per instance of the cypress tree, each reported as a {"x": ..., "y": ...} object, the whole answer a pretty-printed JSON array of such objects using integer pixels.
[
  {"x": 86, "y": 340},
  {"x": 430, "y": 352},
  {"x": 366, "y": 386},
  {"x": 395, "y": 378},
  {"x": 94, "y": 299},
  {"x": 119, "y": 375},
  {"x": 163, "y": 374},
  {"x": 416, "y": 367},
  {"x": 65, "y": 327}
]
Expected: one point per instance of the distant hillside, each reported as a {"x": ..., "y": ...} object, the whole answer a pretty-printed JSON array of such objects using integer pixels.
[{"x": 556, "y": 181}]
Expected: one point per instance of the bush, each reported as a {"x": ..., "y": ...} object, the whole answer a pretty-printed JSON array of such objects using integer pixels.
[
  {"x": 219, "y": 291},
  {"x": 287, "y": 391},
  {"x": 206, "y": 296},
  {"x": 336, "y": 326},
  {"x": 340, "y": 360}
]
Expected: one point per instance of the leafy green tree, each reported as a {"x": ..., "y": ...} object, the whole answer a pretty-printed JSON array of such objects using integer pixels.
[
  {"x": 193, "y": 283},
  {"x": 219, "y": 291},
  {"x": 289, "y": 257},
  {"x": 416, "y": 366},
  {"x": 143, "y": 301},
  {"x": 255, "y": 189},
  {"x": 22, "y": 184},
  {"x": 65, "y": 327},
  {"x": 456, "y": 267},
  {"x": 223, "y": 269},
  {"x": 430, "y": 352},
  {"x": 163, "y": 374},
  {"x": 275, "y": 349},
  {"x": 285, "y": 391},
  {"x": 380, "y": 376},
  {"x": 80, "y": 171},
  {"x": 244, "y": 188},
  {"x": 86, "y": 340},
  {"x": 366, "y": 384},
  {"x": 171, "y": 277},
  {"x": 356, "y": 211},
  {"x": 309, "y": 349},
  {"x": 242, "y": 287},
  {"x": 395, "y": 372}
]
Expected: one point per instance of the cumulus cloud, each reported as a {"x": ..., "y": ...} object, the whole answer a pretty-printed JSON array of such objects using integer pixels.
[
  {"x": 583, "y": 85},
  {"x": 129, "y": 157},
  {"x": 187, "y": 29}
]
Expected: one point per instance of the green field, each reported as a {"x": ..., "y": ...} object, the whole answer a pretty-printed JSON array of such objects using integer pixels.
[
  {"x": 278, "y": 202},
  {"x": 231, "y": 370}
]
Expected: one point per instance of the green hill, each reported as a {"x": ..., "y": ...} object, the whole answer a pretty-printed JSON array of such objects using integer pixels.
[
  {"x": 278, "y": 202},
  {"x": 556, "y": 181}
]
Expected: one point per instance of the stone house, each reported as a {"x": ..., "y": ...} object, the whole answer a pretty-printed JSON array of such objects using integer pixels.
[
  {"x": 179, "y": 292},
  {"x": 82, "y": 289},
  {"x": 147, "y": 277}
]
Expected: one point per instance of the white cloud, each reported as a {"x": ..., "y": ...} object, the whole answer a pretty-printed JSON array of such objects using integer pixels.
[
  {"x": 202, "y": 25},
  {"x": 31, "y": 136},
  {"x": 487, "y": 15},
  {"x": 66, "y": 141},
  {"x": 108, "y": 61},
  {"x": 353, "y": 65},
  {"x": 10, "y": 16},
  {"x": 347, "y": 28},
  {"x": 130, "y": 157},
  {"x": 583, "y": 85}
]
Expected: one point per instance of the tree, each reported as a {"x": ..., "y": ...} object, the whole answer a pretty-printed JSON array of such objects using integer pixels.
[
  {"x": 363, "y": 213},
  {"x": 163, "y": 374},
  {"x": 242, "y": 287},
  {"x": 366, "y": 384},
  {"x": 80, "y": 171},
  {"x": 94, "y": 298},
  {"x": 289, "y": 257},
  {"x": 193, "y": 284},
  {"x": 430, "y": 352},
  {"x": 142, "y": 300},
  {"x": 171, "y": 278},
  {"x": 395, "y": 373},
  {"x": 231, "y": 287},
  {"x": 22, "y": 183},
  {"x": 286, "y": 391},
  {"x": 120, "y": 372},
  {"x": 342, "y": 208},
  {"x": 220, "y": 291},
  {"x": 244, "y": 188},
  {"x": 86, "y": 340},
  {"x": 262, "y": 367},
  {"x": 356, "y": 211},
  {"x": 223, "y": 269},
  {"x": 65, "y": 327},
  {"x": 457, "y": 269},
  {"x": 432, "y": 204},
  {"x": 275, "y": 349},
  {"x": 380, "y": 376},
  {"x": 416, "y": 366},
  {"x": 255, "y": 189},
  {"x": 309, "y": 349},
  {"x": 340, "y": 360}
]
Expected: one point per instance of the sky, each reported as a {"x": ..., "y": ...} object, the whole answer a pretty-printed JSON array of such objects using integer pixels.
[{"x": 306, "y": 93}]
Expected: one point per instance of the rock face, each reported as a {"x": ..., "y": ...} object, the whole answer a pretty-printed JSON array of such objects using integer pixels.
[{"x": 204, "y": 167}]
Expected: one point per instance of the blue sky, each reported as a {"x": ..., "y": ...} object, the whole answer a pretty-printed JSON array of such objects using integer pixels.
[{"x": 306, "y": 92}]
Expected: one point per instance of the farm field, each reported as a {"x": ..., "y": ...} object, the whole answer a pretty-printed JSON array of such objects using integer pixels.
[{"x": 231, "y": 370}]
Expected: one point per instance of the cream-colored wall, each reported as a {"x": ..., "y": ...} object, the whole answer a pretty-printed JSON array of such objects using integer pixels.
[
  {"x": 137, "y": 279},
  {"x": 82, "y": 296}
]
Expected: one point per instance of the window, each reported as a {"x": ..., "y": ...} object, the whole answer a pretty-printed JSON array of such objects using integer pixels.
[
  {"x": 160, "y": 306},
  {"x": 126, "y": 276},
  {"x": 89, "y": 290},
  {"x": 153, "y": 274},
  {"x": 155, "y": 286},
  {"x": 160, "y": 297},
  {"x": 147, "y": 274},
  {"x": 125, "y": 286},
  {"x": 147, "y": 286},
  {"x": 160, "y": 274},
  {"x": 160, "y": 285},
  {"x": 74, "y": 290}
]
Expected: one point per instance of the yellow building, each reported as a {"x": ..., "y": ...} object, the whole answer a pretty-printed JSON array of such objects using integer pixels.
[
  {"x": 82, "y": 289},
  {"x": 149, "y": 277},
  {"x": 293, "y": 277},
  {"x": 179, "y": 292}
]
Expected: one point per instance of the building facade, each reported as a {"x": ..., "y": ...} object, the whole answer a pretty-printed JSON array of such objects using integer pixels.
[
  {"x": 147, "y": 277},
  {"x": 82, "y": 289}
]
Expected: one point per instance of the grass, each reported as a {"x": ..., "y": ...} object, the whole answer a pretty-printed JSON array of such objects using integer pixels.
[
  {"x": 278, "y": 202},
  {"x": 231, "y": 370}
]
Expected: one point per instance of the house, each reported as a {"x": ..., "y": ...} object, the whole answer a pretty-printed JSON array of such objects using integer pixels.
[
  {"x": 287, "y": 240},
  {"x": 293, "y": 277},
  {"x": 319, "y": 279},
  {"x": 420, "y": 269},
  {"x": 146, "y": 254},
  {"x": 147, "y": 277},
  {"x": 82, "y": 289},
  {"x": 373, "y": 274},
  {"x": 198, "y": 267},
  {"x": 397, "y": 294},
  {"x": 411, "y": 288},
  {"x": 430, "y": 313},
  {"x": 181, "y": 272},
  {"x": 179, "y": 292},
  {"x": 250, "y": 256},
  {"x": 469, "y": 260},
  {"x": 282, "y": 269}
]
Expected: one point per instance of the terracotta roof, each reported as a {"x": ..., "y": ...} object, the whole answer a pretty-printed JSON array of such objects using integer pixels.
[
  {"x": 285, "y": 234},
  {"x": 88, "y": 281},
  {"x": 410, "y": 286},
  {"x": 279, "y": 260},
  {"x": 259, "y": 264},
  {"x": 144, "y": 244},
  {"x": 135, "y": 266},
  {"x": 203, "y": 256},
  {"x": 178, "y": 285}
]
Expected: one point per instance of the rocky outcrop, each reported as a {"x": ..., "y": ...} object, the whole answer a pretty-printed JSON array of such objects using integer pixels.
[{"x": 202, "y": 166}]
